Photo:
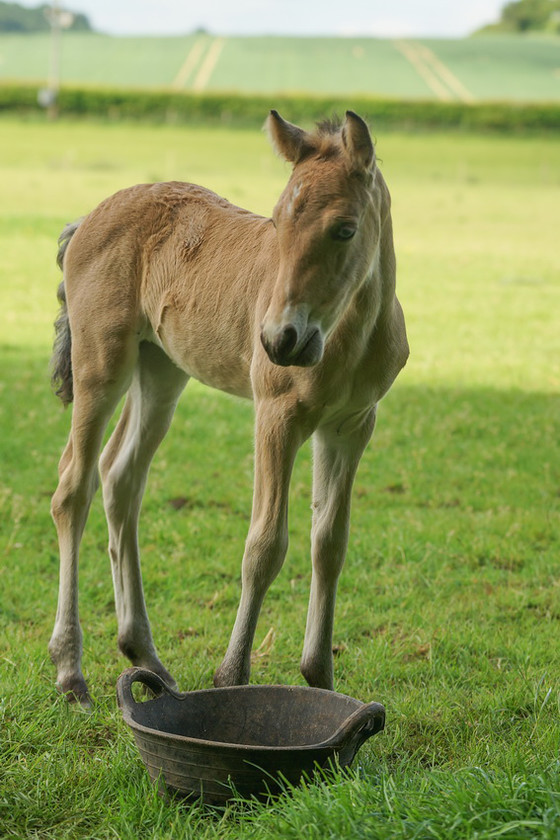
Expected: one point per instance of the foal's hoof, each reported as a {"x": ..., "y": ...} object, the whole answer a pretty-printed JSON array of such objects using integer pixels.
[
  {"x": 218, "y": 679},
  {"x": 76, "y": 692},
  {"x": 226, "y": 677}
]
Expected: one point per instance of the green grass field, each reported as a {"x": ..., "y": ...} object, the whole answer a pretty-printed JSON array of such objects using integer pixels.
[
  {"x": 517, "y": 68},
  {"x": 448, "y": 608}
]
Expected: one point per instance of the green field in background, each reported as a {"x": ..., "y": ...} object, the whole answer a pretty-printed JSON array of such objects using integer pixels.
[
  {"x": 517, "y": 68},
  {"x": 448, "y": 603}
]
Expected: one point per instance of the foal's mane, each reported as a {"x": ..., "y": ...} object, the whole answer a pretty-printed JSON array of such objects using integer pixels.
[
  {"x": 328, "y": 127},
  {"x": 325, "y": 139}
]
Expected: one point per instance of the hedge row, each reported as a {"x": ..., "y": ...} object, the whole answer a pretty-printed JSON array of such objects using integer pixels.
[{"x": 234, "y": 109}]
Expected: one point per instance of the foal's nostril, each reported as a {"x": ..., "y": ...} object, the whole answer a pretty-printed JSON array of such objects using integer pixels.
[{"x": 286, "y": 341}]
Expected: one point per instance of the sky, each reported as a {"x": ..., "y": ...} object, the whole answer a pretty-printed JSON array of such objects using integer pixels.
[{"x": 384, "y": 18}]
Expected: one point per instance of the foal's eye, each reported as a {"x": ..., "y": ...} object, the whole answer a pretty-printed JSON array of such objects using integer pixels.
[{"x": 343, "y": 232}]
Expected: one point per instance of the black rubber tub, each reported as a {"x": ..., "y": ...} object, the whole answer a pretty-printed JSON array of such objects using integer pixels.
[{"x": 247, "y": 740}]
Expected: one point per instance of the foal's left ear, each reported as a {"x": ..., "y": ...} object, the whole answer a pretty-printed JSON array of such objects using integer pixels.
[{"x": 357, "y": 142}]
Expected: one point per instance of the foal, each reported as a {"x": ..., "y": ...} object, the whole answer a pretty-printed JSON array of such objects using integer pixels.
[{"x": 163, "y": 282}]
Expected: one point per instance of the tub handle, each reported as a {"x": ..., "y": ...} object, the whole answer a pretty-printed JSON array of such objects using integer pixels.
[
  {"x": 366, "y": 721},
  {"x": 147, "y": 678}
]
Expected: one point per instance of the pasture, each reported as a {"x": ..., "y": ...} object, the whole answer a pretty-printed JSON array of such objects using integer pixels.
[
  {"x": 449, "y": 605},
  {"x": 485, "y": 68}
]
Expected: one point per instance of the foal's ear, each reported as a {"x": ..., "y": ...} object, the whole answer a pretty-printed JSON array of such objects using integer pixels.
[
  {"x": 357, "y": 142},
  {"x": 289, "y": 141}
]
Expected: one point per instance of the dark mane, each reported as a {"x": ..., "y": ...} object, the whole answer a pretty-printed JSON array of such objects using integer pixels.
[
  {"x": 329, "y": 127},
  {"x": 325, "y": 140}
]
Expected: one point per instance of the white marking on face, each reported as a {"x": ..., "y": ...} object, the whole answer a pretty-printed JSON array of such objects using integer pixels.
[{"x": 292, "y": 200}]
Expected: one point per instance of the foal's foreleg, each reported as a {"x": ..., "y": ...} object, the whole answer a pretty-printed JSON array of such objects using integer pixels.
[
  {"x": 124, "y": 466},
  {"x": 336, "y": 455},
  {"x": 277, "y": 439}
]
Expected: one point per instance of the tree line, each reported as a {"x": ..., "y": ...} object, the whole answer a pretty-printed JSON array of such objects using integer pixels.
[
  {"x": 516, "y": 17},
  {"x": 527, "y": 16},
  {"x": 16, "y": 18}
]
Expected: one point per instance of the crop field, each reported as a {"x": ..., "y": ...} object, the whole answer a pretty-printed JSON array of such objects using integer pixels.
[
  {"x": 488, "y": 68},
  {"x": 449, "y": 603}
]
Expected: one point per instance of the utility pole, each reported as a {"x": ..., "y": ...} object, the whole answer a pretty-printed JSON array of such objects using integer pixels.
[{"x": 59, "y": 19}]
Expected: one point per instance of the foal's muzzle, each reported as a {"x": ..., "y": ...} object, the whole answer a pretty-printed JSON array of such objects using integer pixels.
[{"x": 286, "y": 348}]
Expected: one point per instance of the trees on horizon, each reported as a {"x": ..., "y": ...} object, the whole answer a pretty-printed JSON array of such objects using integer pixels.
[{"x": 21, "y": 19}]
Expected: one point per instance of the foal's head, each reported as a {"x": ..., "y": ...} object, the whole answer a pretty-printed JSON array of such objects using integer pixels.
[{"x": 327, "y": 223}]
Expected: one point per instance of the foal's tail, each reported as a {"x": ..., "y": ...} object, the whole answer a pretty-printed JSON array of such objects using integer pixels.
[{"x": 61, "y": 362}]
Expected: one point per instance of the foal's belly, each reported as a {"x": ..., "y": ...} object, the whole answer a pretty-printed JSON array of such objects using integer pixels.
[{"x": 207, "y": 356}]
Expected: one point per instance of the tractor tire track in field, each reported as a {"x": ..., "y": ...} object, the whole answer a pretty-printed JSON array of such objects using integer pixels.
[
  {"x": 201, "y": 61},
  {"x": 437, "y": 76},
  {"x": 190, "y": 63}
]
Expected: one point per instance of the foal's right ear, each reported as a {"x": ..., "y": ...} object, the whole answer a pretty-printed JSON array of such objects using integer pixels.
[
  {"x": 357, "y": 141},
  {"x": 289, "y": 141}
]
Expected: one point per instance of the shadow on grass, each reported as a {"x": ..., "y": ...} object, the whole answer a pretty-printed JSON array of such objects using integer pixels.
[{"x": 433, "y": 446}]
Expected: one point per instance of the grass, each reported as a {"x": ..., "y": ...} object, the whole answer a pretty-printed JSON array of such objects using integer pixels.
[
  {"x": 448, "y": 607},
  {"x": 507, "y": 67}
]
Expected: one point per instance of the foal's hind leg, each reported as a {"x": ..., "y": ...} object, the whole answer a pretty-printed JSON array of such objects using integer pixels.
[
  {"x": 124, "y": 465},
  {"x": 336, "y": 455},
  {"x": 95, "y": 399}
]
